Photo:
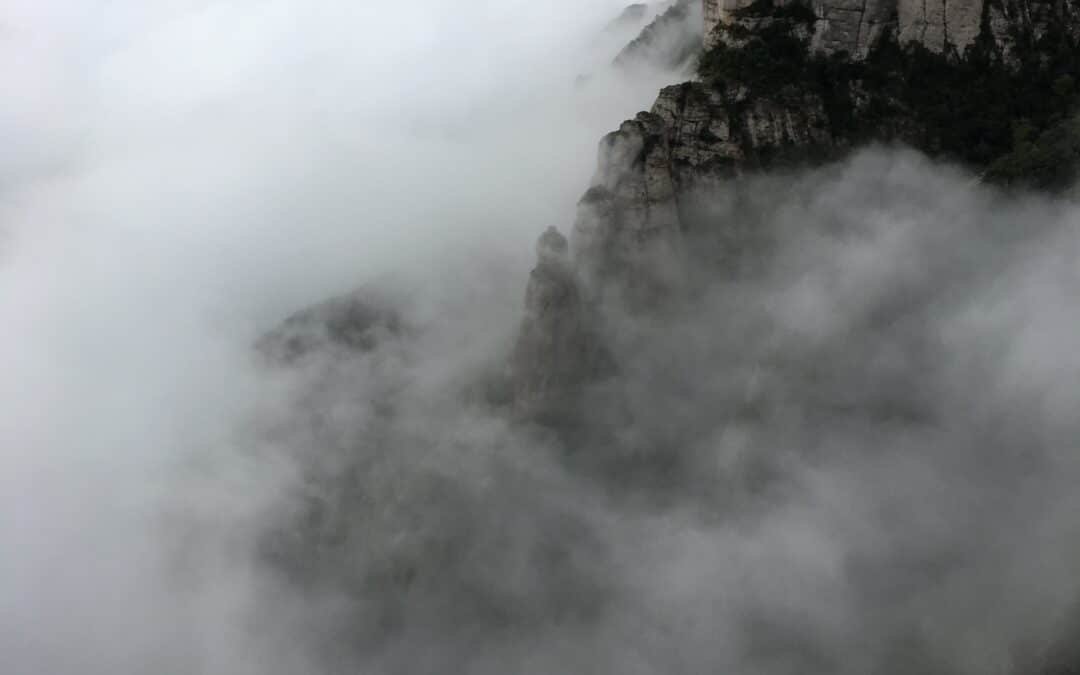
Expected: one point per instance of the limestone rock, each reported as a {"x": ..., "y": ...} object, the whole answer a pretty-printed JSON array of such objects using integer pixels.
[
  {"x": 1012, "y": 23},
  {"x": 357, "y": 322},
  {"x": 629, "y": 227},
  {"x": 767, "y": 98},
  {"x": 852, "y": 26},
  {"x": 941, "y": 26},
  {"x": 630, "y": 224},
  {"x": 627, "y": 233},
  {"x": 718, "y": 13},
  {"x": 555, "y": 351}
]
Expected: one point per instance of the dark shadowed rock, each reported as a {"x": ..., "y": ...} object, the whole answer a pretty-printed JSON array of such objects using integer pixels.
[
  {"x": 788, "y": 84},
  {"x": 557, "y": 350},
  {"x": 1049, "y": 161},
  {"x": 357, "y": 322},
  {"x": 785, "y": 85},
  {"x": 856, "y": 27}
]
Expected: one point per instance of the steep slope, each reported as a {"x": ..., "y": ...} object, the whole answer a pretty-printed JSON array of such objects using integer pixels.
[
  {"x": 988, "y": 85},
  {"x": 733, "y": 330},
  {"x": 940, "y": 26},
  {"x": 669, "y": 42}
]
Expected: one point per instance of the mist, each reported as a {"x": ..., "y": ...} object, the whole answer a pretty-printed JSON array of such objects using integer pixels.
[{"x": 848, "y": 446}]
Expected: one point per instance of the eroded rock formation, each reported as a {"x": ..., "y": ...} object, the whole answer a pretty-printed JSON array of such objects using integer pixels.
[
  {"x": 357, "y": 322},
  {"x": 856, "y": 26},
  {"x": 789, "y": 84},
  {"x": 555, "y": 352}
]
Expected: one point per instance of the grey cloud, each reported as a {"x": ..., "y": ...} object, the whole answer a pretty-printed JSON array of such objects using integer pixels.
[{"x": 850, "y": 452}]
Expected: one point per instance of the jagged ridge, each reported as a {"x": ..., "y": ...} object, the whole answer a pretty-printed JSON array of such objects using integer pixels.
[{"x": 785, "y": 85}]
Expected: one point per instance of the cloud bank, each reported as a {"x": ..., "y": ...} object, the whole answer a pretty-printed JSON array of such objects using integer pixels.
[{"x": 851, "y": 451}]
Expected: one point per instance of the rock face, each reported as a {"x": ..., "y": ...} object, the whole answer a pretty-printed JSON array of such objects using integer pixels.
[
  {"x": 715, "y": 133},
  {"x": 628, "y": 221},
  {"x": 555, "y": 352},
  {"x": 784, "y": 83},
  {"x": 854, "y": 27},
  {"x": 941, "y": 26},
  {"x": 353, "y": 323},
  {"x": 720, "y": 13}
]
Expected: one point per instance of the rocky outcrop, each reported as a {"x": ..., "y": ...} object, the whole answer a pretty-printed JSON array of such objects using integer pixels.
[
  {"x": 941, "y": 26},
  {"x": 353, "y": 323},
  {"x": 628, "y": 237},
  {"x": 790, "y": 84},
  {"x": 1016, "y": 25},
  {"x": 555, "y": 352},
  {"x": 713, "y": 132},
  {"x": 720, "y": 13},
  {"x": 628, "y": 232},
  {"x": 853, "y": 26},
  {"x": 628, "y": 222}
]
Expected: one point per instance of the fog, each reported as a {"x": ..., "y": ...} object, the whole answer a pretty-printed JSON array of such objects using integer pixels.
[{"x": 852, "y": 452}]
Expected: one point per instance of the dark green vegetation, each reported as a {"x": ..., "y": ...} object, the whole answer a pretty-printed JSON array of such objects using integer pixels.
[
  {"x": 1048, "y": 161},
  {"x": 1009, "y": 117},
  {"x": 769, "y": 49}
]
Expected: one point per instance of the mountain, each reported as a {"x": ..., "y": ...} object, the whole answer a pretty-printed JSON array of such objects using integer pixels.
[
  {"x": 784, "y": 85},
  {"x": 670, "y": 42},
  {"x": 733, "y": 332},
  {"x": 857, "y": 28}
]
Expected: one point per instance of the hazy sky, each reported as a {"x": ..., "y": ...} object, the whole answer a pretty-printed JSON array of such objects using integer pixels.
[{"x": 179, "y": 175}]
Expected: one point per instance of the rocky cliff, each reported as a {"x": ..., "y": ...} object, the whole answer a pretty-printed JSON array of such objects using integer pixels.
[
  {"x": 987, "y": 84},
  {"x": 731, "y": 321},
  {"x": 941, "y": 26},
  {"x": 557, "y": 351}
]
